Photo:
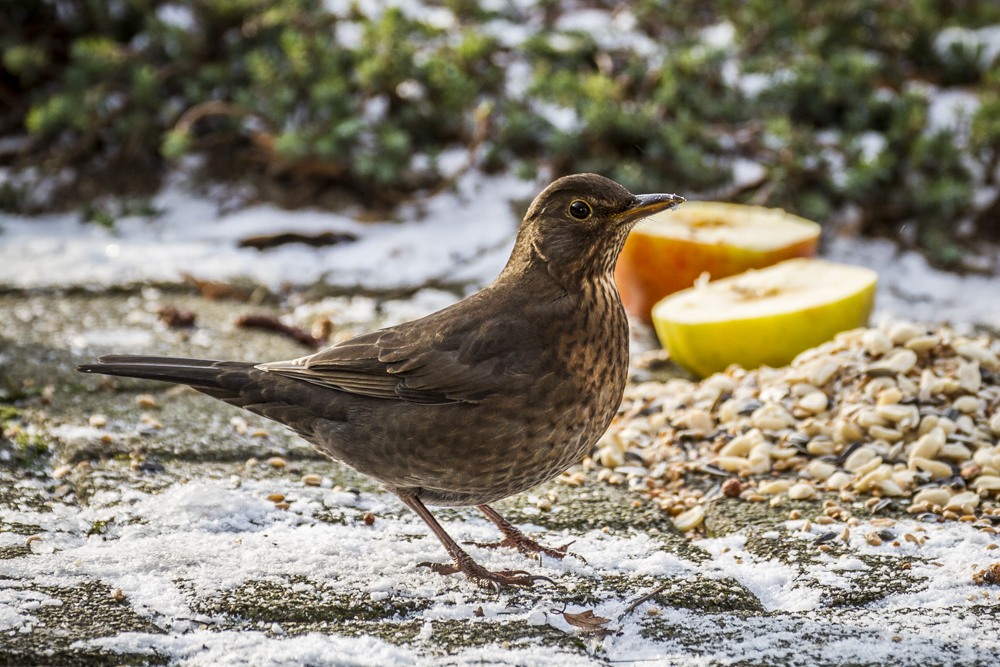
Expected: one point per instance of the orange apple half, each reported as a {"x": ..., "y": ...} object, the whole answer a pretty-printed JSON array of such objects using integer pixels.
[
  {"x": 763, "y": 317},
  {"x": 670, "y": 250}
]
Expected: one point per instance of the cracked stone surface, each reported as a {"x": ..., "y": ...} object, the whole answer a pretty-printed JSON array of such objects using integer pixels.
[{"x": 156, "y": 539}]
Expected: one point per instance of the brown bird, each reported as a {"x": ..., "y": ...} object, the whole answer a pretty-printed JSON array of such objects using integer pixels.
[{"x": 489, "y": 397}]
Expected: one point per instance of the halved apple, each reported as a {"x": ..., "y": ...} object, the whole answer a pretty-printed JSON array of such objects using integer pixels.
[
  {"x": 667, "y": 252},
  {"x": 763, "y": 317}
]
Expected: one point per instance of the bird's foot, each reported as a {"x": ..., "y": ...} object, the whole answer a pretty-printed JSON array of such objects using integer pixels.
[
  {"x": 529, "y": 547},
  {"x": 481, "y": 576}
]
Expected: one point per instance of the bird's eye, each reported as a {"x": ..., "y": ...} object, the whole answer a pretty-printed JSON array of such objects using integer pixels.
[{"x": 580, "y": 209}]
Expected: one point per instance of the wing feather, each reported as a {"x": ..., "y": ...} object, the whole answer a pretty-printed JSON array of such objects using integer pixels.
[{"x": 447, "y": 357}]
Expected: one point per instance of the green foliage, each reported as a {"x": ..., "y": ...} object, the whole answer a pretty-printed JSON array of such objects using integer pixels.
[
  {"x": 831, "y": 98},
  {"x": 20, "y": 449}
]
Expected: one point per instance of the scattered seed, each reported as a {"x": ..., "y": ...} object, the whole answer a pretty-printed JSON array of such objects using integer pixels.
[
  {"x": 692, "y": 518},
  {"x": 732, "y": 488},
  {"x": 801, "y": 491},
  {"x": 369, "y": 519},
  {"x": 146, "y": 401},
  {"x": 277, "y": 462},
  {"x": 98, "y": 421},
  {"x": 876, "y": 413},
  {"x": 150, "y": 421},
  {"x": 240, "y": 425},
  {"x": 312, "y": 480}
]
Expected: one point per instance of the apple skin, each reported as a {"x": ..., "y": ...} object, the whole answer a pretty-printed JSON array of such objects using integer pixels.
[
  {"x": 772, "y": 340},
  {"x": 651, "y": 267}
]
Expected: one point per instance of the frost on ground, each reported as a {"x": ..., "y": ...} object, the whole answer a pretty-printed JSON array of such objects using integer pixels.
[
  {"x": 149, "y": 536},
  {"x": 163, "y": 547},
  {"x": 215, "y": 574}
]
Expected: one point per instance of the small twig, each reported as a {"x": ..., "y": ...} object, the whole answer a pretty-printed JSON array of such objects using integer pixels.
[
  {"x": 760, "y": 199},
  {"x": 205, "y": 109},
  {"x": 314, "y": 240},
  {"x": 645, "y": 598},
  {"x": 271, "y": 323}
]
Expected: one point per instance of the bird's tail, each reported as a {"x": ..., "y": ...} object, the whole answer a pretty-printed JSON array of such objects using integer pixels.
[{"x": 221, "y": 379}]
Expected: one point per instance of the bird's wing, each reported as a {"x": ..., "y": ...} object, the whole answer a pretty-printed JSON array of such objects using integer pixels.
[{"x": 443, "y": 359}]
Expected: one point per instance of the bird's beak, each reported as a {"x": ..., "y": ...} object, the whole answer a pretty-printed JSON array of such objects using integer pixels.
[{"x": 647, "y": 205}]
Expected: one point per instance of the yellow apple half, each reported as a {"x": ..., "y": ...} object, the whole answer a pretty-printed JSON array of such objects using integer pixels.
[
  {"x": 763, "y": 317},
  {"x": 667, "y": 252}
]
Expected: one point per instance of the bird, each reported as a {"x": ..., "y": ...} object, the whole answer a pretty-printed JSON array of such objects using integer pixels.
[{"x": 484, "y": 399}]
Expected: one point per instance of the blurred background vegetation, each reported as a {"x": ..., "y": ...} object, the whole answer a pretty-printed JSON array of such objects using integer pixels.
[{"x": 880, "y": 116}]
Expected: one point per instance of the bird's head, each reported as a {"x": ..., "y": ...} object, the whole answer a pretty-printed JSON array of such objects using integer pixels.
[{"x": 578, "y": 224}]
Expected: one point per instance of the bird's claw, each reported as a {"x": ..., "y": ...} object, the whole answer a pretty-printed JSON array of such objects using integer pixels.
[
  {"x": 530, "y": 548},
  {"x": 440, "y": 568},
  {"x": 486, "y": 578}
]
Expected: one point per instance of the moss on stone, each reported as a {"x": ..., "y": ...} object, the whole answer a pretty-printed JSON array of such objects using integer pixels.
[{"x": 87, "y": 611}]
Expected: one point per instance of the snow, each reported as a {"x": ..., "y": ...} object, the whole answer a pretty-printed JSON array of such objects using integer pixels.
[
  {"x": 910, "y": 289},
  {"x": 871, "y": 145},
  {"x": 206, "y": 537},
  {"x": 951, "y": 110},
  {"x": 752, "y": 84},
  {"x": 459, "y": 237},
  {"x": 176, "y": 16},
  {"x": 983, "y": 43},
  {"x": 720, "y": 36},
  {"x": 747, "y": 172},
  {"x": 464, "y": 235},
  {"x": 224, "y": 649}
]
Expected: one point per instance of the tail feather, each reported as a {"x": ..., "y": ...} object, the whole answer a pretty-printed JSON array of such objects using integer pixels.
[
  {"x": 162, "y": 361},
  {"x": 288, "y": 401},
  {"x": 213, "y": 377}
]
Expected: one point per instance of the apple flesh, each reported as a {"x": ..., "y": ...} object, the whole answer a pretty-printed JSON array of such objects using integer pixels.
[
  {"x": 667, "y": 252},
  {"x": 764, "y": 317}
]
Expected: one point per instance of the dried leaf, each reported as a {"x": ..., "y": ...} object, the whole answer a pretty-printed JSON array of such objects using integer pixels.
[
  {"x": 176, "y": 318},
  {"x": 211, "y": 289},
  {"x": 586, "y": 621}
]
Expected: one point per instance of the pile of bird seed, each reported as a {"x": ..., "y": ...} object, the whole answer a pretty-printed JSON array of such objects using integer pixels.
[{"x": 901, "y": 414}]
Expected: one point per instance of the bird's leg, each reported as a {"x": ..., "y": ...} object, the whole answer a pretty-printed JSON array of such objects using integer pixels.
[
  {"x": 512, "y": 537},
  {"x": 463, "y": 561}
]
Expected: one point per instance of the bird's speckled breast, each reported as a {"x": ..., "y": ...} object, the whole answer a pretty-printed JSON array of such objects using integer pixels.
[{"x": 581, "y": 400}]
